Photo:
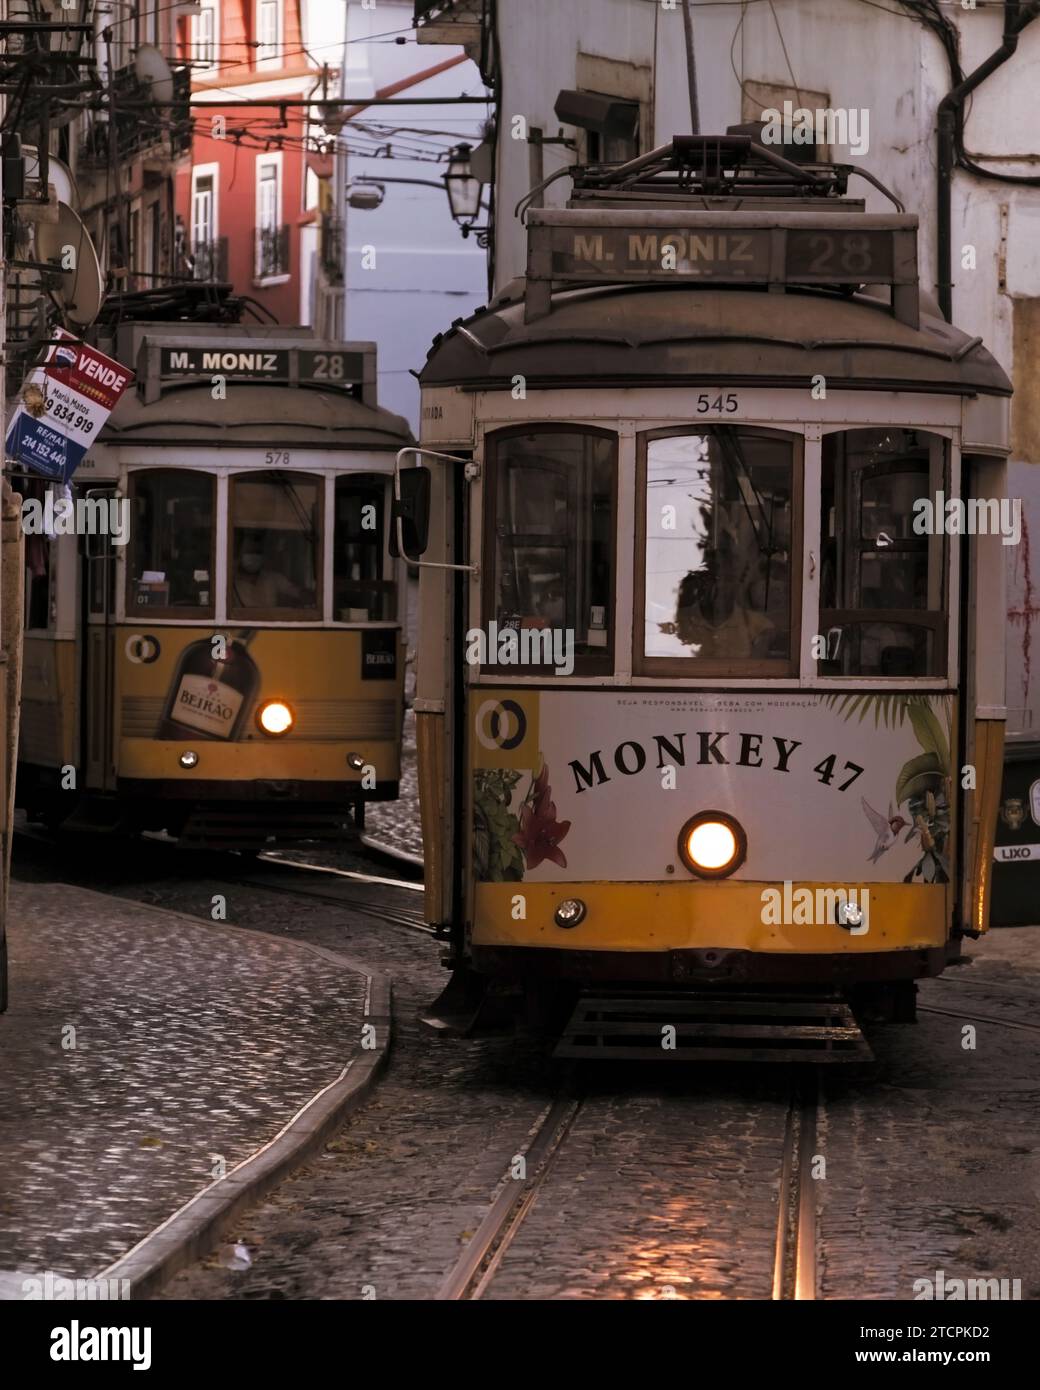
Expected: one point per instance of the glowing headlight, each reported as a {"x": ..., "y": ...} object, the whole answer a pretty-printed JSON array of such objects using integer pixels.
[
  {"x": 712, "y": 844},
  {"x": 275, "y": 717},
  {"x": 188, "y": 759}
]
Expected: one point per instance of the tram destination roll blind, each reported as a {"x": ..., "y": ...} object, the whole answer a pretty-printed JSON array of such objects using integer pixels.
[
  {"x": 258, "y": 362},
  {"x": 836, "y": 249}
]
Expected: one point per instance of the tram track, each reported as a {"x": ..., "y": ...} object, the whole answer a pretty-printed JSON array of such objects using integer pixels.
[
  {"x": 794, "y": 1260},
  {"x": 795, "y": 1250}
]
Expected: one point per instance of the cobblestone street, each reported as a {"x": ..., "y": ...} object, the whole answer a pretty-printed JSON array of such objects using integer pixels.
[{"x": 666, "y": 1185}]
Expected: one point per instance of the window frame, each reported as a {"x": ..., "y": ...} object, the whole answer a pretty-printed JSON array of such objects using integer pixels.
[
  {"x": 198, "y": 172},
  {"x": 180, "y": 612},
  {"x": 265, "y": 62},
  {"x": 196, "y": 40},
  {"x": 293, "y": 616},
  {"x": 692, "y": 668},
  {"x": 584, "y": 665},
  {"x": 942, "y": 622},
  {"x": 269, "y": 160},
  {"x": 388, "y": 579}
]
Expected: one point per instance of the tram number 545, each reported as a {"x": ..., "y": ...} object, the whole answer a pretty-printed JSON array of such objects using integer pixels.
[{"x": 708, "y": 404}]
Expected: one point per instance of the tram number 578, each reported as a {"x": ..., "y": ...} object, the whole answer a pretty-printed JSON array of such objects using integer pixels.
[{"x": 726, "y": 404}]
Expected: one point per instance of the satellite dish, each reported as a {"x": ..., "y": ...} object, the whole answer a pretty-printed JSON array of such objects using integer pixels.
[
  {"x": 67, "y": 243},
  {"x": 151, "y": 68},
  {"x": 58, "y": 173}
]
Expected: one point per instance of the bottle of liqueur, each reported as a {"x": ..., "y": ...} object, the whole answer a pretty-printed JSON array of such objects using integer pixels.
[{"x": 210, "y": 697}]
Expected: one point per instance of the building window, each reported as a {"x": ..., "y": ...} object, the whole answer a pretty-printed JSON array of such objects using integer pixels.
[
  {"x": 204, "y": 222},
  {"x": 271, "y": 253},
  {"x": 204, "y": 30},
  {"x": 268, "y": 33}
]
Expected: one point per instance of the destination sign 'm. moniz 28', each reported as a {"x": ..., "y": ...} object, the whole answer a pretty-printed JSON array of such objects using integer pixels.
[
  {"x": 258, "y": 362},
  {"x": 734, "y": 253}
]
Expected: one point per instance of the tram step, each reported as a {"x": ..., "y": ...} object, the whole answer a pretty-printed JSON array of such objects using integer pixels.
[{"x": 731, "y": 1027}]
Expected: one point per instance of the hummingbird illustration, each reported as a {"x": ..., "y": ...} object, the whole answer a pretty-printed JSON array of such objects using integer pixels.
[{"x": 886, "y": 828}]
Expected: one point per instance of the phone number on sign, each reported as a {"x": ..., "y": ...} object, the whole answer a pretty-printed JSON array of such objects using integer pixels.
[{"x": 68, "y": 413}]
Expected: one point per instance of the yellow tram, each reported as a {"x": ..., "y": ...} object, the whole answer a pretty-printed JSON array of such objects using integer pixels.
[
  {"x": 715, "y": 507},
  {"x": 225, "y": 661}
]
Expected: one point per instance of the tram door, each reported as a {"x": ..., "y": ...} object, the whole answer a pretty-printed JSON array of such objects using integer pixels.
[{"x": 98, "y": 657}]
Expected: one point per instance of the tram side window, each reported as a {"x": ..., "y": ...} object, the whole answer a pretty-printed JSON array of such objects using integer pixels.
[
  {"x": 274, "y": 567},
  {"x": 361, "y": 594},
  {"x": 882, "y": 585},
  {"x": 171, "y": 550},
  {"x": 720, "y": 517},
  {"x": 552, "y": 533}
]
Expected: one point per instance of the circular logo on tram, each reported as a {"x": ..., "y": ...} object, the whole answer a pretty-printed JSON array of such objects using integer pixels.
[
  {"x": 142, "y": 650},
  {"x": 501, "y": 724}
]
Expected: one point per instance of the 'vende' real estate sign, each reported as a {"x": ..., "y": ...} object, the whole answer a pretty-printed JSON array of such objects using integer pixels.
[{"x": 63, "y": 406}]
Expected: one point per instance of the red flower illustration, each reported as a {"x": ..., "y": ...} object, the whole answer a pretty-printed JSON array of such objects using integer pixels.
[{"x": 540, "y": 832}]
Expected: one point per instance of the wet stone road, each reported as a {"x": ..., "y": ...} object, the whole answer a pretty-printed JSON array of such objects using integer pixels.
[{"x": 666, "y": 1185}]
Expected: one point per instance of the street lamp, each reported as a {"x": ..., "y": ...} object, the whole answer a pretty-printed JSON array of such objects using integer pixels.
[{"x": 463, "y": 189}]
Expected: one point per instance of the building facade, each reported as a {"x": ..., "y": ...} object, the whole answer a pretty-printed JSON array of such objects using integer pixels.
[{"x": 249, "y": 203}]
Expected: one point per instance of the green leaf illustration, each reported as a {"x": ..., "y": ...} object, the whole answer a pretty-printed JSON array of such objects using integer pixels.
[
  {"x": 930, "y": 734},
  {"x": 915, "y": 775}
]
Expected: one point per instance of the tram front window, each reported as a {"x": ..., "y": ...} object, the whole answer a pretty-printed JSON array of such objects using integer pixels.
[
  {"x": 171, "y": 552},
  {"x": 717, "y": 575},
  {"x": 361, "y": 594},
  {"x": 881, "y": 583},
  {"x": 275, "y": 559},
  {"x": 552, "y": 523}
]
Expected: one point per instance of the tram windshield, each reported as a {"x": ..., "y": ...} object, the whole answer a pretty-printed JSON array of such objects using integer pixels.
[
  {"x": 275, "y": 554},
  {"x": 360, "y": 593},
  {"x": 170, "y": 561},
  {"x": 553, "y": 528},
  {"x": 717, "y": 574},
  {"x": 882, "y": 584}
]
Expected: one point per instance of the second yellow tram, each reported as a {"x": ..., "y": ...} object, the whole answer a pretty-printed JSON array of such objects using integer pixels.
[{"x": 227, "y": 664}]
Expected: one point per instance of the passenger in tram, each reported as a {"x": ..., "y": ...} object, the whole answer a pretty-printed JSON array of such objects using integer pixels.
[{"x": 256, "y": 584}]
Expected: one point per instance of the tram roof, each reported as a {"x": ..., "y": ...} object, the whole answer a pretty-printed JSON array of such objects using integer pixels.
[
  {"x": 611, "y": 335},
  {"x": 265, "y": 413}
]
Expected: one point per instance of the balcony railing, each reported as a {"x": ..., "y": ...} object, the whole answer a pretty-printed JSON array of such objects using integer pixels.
[
  {"x": 331, "y": 248},
  {"x": 210, "y": 260},
  {"x": 271, "y": 252},
  {"x": 140, "y": 125}
]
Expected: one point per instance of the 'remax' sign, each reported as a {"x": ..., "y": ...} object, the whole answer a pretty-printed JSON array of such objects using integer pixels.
[{"x": 64, "y": 404}]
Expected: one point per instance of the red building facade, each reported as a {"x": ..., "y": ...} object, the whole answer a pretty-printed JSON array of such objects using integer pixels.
[{"x": 251, "y": 188}]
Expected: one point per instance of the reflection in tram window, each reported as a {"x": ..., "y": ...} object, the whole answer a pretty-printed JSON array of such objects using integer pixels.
[
  {"x": 361, "y": 594},
  {"x": 881, "y": 584},
  {"x": 171, "y": 554},
  {"x": 719, "y": 515},
  {"x": 553, "y": 529},
  {"x": 274, "y": 563}
]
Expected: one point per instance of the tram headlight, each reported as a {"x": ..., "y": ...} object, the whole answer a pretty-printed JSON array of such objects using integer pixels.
[
  {"x": 188, "y": 759},
  {"x": 275, "y": 718},
  {"x": 712, "y": 844}
]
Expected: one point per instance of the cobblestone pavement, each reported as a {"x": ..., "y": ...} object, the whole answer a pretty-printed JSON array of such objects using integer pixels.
[
  {"x": 933, "y": 1157},
  {"x": 140, "y": 1049},
  {"x": 668, "y": 1178}
]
